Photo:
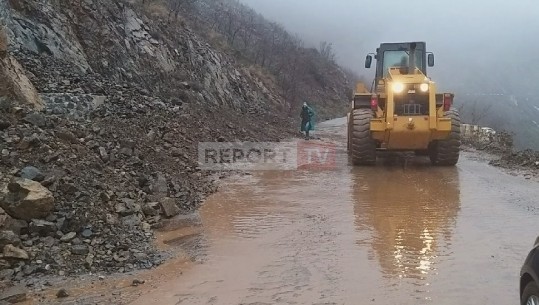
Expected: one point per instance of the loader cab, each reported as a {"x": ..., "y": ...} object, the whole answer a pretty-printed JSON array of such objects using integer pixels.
[{"x": 398, "y": 55}]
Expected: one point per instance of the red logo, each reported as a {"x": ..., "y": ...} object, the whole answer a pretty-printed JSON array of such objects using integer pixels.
[{"x": 312, "y": 155}]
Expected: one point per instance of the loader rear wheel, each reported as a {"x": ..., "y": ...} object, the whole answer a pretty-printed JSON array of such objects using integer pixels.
[
  {"x": 446, "y": 152},
  {"x": 362, "y": 145}
]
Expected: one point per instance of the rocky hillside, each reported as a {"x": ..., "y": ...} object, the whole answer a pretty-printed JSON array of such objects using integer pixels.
[
  {"x": 102, "y": 105},
  {"x": 301, "y": 74}
]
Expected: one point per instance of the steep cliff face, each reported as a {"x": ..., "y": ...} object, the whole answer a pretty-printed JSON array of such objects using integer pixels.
[{"x": 113, "y": 40}]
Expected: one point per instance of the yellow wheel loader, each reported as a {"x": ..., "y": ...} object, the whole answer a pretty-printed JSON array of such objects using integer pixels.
[{"x": 403, "y": 111}]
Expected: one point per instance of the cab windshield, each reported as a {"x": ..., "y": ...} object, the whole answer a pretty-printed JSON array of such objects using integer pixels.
[{"x": 400, "y": 59}]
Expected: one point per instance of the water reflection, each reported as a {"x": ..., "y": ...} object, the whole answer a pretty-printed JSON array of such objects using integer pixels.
[{"x": 406, "y": 217}]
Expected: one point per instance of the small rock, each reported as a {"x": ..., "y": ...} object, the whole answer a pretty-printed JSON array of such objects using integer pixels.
[
  {"x": 131, "y": 220},
  {"x": 169, "y": 207},
  {"x": 140, "y": 256},
  {"x": 4, "y": 218},
  {"x": 121, "y": 256},
  {"x": 151, "y": 135},
  {"x": 42, "y": 227},
  {"x": 28, "y": 142},
  {"x": 4, "y": 125},
  {"x": 169, "y": 138},
  {"x": 36, "y": 119},
  {"x": 146, "y": 227},
  {"x": 62, "y": 293},
  {"x": 159, "y": 186},
  {"x": 76, "y": 241},
  {"x": 6, "y": 274},
  {"x": 51, "y": 158},
  {"x": 68, "y": 237},
  {"x": 49, "y": 181},
  {"x": 151, "y": 209},
  {"x": 4, "y": 264},
  {"x": 92, "y": 144},
  {"x": 69, "y": 188},
  {"x": 126, "y": 151},
  {"x": 137, "y": 282},
  {"x": 103, "y": 154},
  {"x": 87, "y": 233},
  {"x": 9, "y": 237},
  {"x": 79, "y": 249},
  {"x": 31, "y": 173},
  {"x": 29, "y": 269},
  {"x": 67, "y": 136},
  {"x": 176, "y": 152},
  {"x": 111, "y": 219},
  {"x": 89, "y": 261},
  {"x": 60, "y": 222},
  {"x": 10, "y": 251},
  {"x": 104, "y": 197},
  {"x": 49, "y": 241}
]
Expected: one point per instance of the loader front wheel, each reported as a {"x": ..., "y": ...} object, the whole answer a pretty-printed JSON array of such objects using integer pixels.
[
  {"x": 349, "y": 128},
  {"x": 362, "y": 145},
  {"x": 446, "y": 152}
]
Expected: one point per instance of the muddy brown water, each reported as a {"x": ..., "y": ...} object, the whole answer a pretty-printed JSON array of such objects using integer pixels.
[{"x": 390, "y": 234}]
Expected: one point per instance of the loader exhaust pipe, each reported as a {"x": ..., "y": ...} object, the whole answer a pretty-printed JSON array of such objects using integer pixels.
[{"x": 411, "y": 61}]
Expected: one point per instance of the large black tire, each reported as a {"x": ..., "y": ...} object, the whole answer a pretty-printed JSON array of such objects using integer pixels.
[
  {"x": 530, "y": 291},
  {"x": 446, "y": 152},
  {"x": 362, "y": 145}
]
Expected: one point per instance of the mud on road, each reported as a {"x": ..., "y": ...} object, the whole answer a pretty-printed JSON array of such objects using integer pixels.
[{"x": 391, "y": 234}]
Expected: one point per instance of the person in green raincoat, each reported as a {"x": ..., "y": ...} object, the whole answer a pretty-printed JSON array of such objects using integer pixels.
[{"x": 307, "y": 120}]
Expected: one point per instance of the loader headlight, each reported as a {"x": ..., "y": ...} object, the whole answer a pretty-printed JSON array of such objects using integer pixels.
[
  {"x": 398, "y": 87},
  {"x": 424, "y": 87}
]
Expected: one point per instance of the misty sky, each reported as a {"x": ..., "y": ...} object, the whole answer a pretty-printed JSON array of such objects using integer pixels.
[{"x": 477, "y": 46}]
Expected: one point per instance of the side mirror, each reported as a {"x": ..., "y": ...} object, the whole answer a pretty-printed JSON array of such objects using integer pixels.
[
  {"x": 368, "y": 61},
  {"x": 431, "y": 60}
]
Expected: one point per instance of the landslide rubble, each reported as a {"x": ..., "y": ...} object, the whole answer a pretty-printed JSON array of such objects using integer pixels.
[
  {"x": 500, "y": 145},
  {"x": 110, "y": 148}
]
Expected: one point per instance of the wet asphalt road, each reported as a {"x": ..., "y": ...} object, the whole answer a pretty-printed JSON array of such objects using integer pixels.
[{"x": 384, "y": 235}]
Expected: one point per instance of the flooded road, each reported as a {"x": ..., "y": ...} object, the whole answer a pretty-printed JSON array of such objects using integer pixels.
[{"x": 383, "y": 235}]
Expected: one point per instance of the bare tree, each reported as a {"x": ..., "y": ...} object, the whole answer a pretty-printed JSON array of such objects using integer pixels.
[
  {"x": 476, "y": 112},
  {"x": 296, "y": 69},
  {"x": 326, "y": 50},
  {"x": 175, "y": 6}
]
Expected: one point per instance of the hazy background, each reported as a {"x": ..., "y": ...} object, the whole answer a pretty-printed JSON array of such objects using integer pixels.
[{"x": 486, "y": 52}]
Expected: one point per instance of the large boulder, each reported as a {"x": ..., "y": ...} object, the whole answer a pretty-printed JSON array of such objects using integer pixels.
[
  {"x": 26, "y": 199},
  {"x": 15, "y": 83},
  {"x": 12, "y": 252}
]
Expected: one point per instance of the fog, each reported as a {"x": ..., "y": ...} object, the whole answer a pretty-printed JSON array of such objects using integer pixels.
[{"x": 479, "y": 47}]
